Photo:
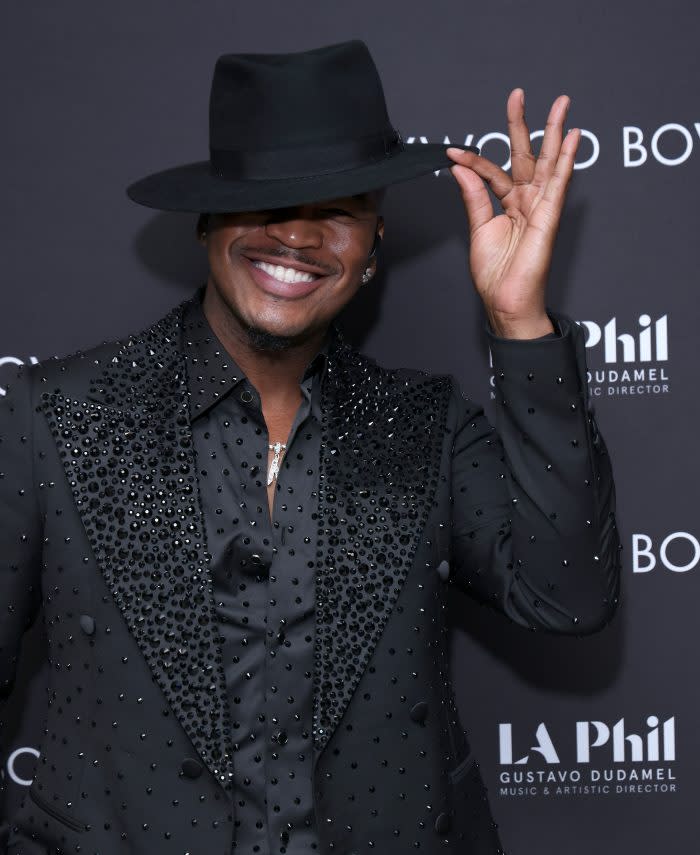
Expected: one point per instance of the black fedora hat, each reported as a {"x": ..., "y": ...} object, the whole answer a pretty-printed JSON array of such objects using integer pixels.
[{"x": 290, "y": 128}]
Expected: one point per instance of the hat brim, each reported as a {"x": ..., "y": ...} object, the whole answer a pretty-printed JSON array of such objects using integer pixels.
[{"x": 194, "y": 188}]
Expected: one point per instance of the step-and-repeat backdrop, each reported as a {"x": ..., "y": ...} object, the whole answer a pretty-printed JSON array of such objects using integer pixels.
[{"x": 587, "y": 745}]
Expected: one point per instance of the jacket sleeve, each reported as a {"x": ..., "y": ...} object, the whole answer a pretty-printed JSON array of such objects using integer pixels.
[
  {"x": 533, "y": 501},
  {"x": 21, "y": 533}
]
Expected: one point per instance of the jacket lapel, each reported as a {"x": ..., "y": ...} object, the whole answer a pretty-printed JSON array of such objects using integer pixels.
[
  {"x": 128, "y": 454},
  {"x": 380, "y": 456}
]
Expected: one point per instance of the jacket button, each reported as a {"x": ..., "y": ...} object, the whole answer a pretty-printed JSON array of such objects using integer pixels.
[
  {"x": 280, "y": 737},
  {"x": 443, "y": 570},
  {"x": 87, "y": 624},
  {"x": 419, "y": 711},
  {"x": 191, "y": 768},
  {"x": 442, "y": 823}
]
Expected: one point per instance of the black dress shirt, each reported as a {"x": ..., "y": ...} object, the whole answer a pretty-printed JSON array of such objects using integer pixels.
[{"x": 263, "y": 576}]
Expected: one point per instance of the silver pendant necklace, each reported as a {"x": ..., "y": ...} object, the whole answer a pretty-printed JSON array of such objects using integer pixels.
[{"x": 274, "y": 469}]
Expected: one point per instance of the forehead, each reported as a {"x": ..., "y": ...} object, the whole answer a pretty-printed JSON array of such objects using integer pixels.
[
  {"x": 370, "y": 199},
  {"x": 360, "y": 203}
]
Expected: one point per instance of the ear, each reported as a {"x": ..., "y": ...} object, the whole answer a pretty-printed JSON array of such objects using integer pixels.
[{"x": 378, "y": 237}]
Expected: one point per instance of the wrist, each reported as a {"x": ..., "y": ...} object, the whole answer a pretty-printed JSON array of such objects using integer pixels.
[{"x": 512, "y": 326}]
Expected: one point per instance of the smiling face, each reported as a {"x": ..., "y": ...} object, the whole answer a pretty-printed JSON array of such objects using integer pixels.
[{"x": 283, "y": 275}]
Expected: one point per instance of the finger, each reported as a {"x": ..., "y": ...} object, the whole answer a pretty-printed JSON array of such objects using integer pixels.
[
  {"x": 474, "y": 195},
  {"x": 499, "y": 181},
  {"x": 557, "y": 186},
  {"x": 551, "y": 143},
  {"x": 522, "y": 158}
]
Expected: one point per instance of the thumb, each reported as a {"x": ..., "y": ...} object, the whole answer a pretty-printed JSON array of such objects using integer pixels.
[{"x": 474, "y": 195}]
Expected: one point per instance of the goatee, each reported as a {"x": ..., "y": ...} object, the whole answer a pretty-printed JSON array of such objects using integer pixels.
[{"x": 268, "y": 342}]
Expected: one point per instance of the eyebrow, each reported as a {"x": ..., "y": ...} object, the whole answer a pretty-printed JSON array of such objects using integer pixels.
[{"x": 362, "y": 198}]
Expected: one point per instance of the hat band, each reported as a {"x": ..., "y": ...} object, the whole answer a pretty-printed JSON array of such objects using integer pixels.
[{"x": 305, "y": 161}]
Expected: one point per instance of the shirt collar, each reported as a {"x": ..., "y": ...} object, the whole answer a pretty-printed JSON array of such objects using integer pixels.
[{"x": 212, "y": 373}]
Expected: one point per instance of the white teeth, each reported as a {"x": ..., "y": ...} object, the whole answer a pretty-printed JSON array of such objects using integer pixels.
[{"x": 284, "y": 274}]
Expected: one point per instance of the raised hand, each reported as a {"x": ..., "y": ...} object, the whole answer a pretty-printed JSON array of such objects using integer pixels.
[{"x": 510, "y": 253}]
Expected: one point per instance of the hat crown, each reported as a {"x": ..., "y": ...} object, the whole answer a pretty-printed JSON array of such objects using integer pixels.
[
  {"x": 288, "y": 129},
  {"x": 271, "y": 102}
]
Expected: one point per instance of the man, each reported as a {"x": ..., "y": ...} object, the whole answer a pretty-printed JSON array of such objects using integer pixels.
[{"x": 244, "y": 533}]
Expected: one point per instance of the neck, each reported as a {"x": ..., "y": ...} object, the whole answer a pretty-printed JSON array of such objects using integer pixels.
[{"x": 275, "y": 374}]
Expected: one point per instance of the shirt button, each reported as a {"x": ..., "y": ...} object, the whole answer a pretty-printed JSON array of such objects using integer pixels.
[
  {"x": 442, "y": 823},
  {"x": 246, "y": 396},
  {"x": 419, "y": 711},
  {"x": 443, "y": 570},
  {"x": 191, "y": 768},
  {"x": 87, "y": 624}
]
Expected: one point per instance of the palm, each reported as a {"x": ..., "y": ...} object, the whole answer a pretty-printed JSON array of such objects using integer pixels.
[
  {"x": 510, "y": 253},
  {"x": 502, "y": 253}
]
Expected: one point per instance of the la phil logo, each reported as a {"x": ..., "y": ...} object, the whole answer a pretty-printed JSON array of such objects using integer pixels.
[
  {"x": 638, "y": 352},
  {"x": 593, "y": 758},
  {"x": 590, "y": 735}
]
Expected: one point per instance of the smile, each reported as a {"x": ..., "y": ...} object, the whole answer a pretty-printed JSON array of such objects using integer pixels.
[{"x": 284, "y": 274}]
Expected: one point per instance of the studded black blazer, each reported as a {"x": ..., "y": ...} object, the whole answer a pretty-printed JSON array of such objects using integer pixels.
[{"x": 101, "y": 523}]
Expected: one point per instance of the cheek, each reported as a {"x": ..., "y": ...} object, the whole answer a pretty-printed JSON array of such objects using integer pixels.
[
  {"x": 352, "y": 248},
  {"x": 221, "y": 258},
  {"x": 350, "y": 252},
  {"x": 217, "y": 264},
  {"x": 337, "y": 295}
]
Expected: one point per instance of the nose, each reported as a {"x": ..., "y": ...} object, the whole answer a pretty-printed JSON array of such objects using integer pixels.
[{"x": 295, "y": 228}]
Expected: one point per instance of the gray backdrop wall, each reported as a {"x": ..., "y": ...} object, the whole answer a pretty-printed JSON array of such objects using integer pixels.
[{"x": 587, "y": 745}]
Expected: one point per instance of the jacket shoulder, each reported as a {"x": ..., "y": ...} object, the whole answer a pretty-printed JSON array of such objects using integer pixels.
[
  {"x": 75, "y": 373},
  {"x": 362, "y": 364}
]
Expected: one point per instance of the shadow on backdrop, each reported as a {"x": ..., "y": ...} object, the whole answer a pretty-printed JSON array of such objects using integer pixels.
[
  {"x": 167, "y": 247},
  {"x": 563, "y": 664}
]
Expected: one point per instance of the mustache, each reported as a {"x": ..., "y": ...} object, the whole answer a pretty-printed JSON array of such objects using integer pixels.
[{"x": 284, "y": 252}]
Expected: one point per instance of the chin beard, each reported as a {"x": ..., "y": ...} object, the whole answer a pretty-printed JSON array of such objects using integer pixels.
[{"x": 269, "y": 342}]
